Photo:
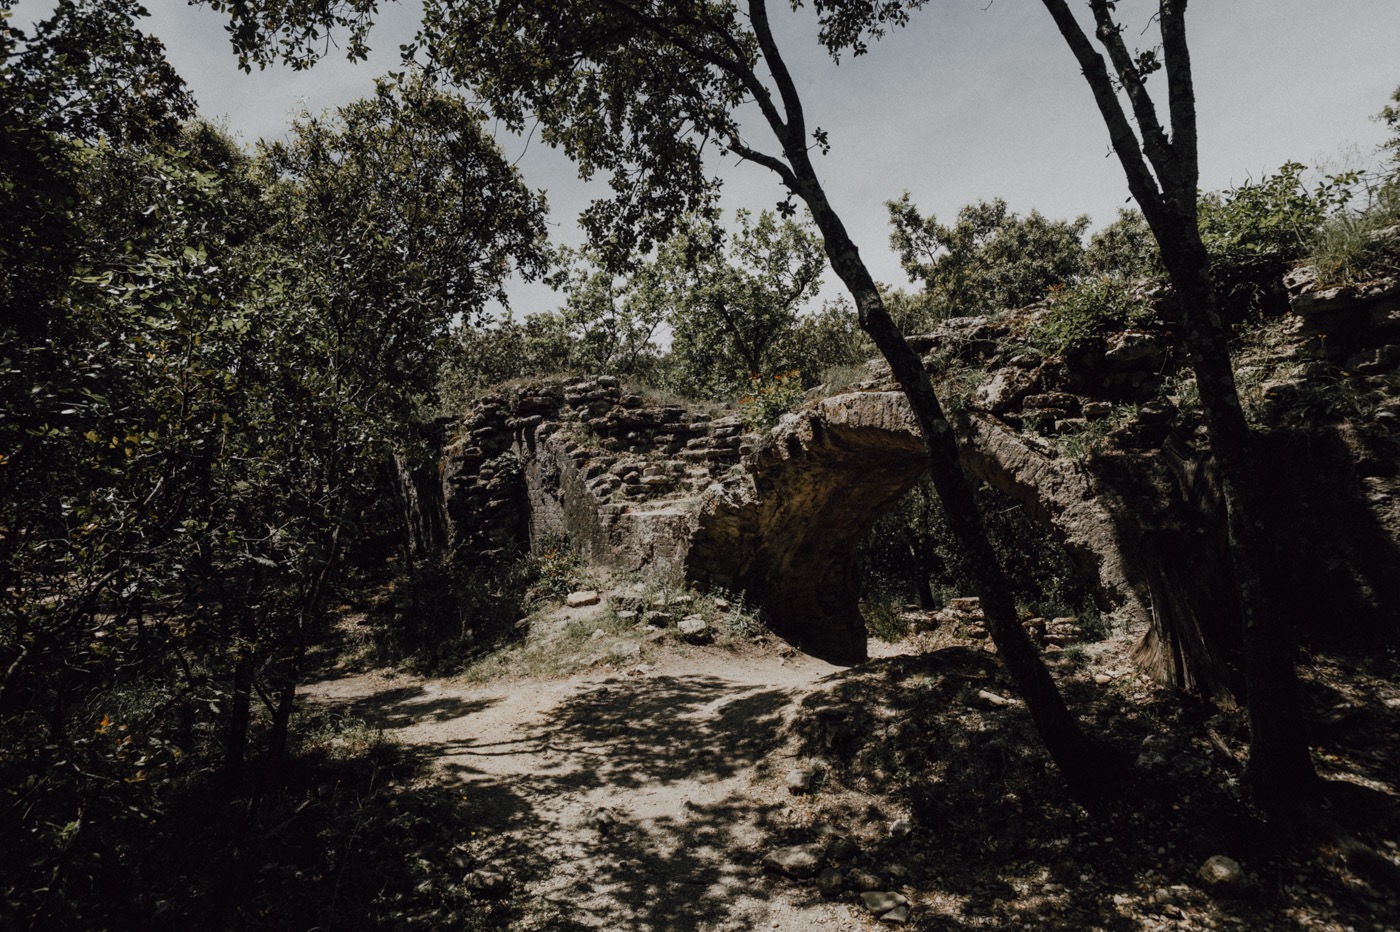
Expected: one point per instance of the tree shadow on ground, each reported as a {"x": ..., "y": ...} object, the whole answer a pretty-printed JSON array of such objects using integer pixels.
[
  {"x": 410, "y": 705},
  {"x": 997, "y": 844},
  {"x": 356, "y": 836},
  {"x": 647, "y": 803},
  {"x": 639, "y": 817}
]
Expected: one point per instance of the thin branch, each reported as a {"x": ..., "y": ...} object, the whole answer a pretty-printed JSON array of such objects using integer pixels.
[
  {"x": 771, "y": 162},
  {"x": 1141, "y": 181},
  {"x": 1154, "y": 138},
  {"x": 735, "y": 67}
]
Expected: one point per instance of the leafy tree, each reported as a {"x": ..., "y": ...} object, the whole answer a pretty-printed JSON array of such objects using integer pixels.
[
  {"x": 826, "y": 339},
  {"x": 1162, "y": 169},
  {"x": 88, "y": 73},
  {"x": 481, "y": 357},
  {"x": 387, "y": 221},
  {"x": 107, "y": 641},
  {"x": 639, "y": 88},
  {"x": 989, "y": 259},
  {"x": 611, "y": 320},
  {"x": 733, "y": 312},
  {"x": 209, "y": 360},
  {"x": 1124, "y": 249},
  {"x": 1390, "y": 116}
]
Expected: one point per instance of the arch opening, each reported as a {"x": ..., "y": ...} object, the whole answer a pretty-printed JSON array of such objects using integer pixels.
[{"x": 907, "y": 558}]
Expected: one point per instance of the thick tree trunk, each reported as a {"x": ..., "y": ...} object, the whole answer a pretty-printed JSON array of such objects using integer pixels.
[
  {"x": 922, "y": 567},
  {"x": 1280, "y": 765}
]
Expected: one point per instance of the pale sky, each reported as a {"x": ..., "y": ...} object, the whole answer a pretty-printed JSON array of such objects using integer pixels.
[{"x": 975, "y": 99}]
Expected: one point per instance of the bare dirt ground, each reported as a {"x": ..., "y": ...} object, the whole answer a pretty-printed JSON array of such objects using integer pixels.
[
  {"x": 646, "y": 794},
  {"x": 636, "y": 799}
]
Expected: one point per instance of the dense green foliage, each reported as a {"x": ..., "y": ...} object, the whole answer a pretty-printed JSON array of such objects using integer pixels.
[
  {"x": 734, "y": 313},
  {"x": 1091, "y": 308},
  {"x": 735, "y": 305},
  {"x": 207, "y": 360},
  {"x": 1254, "y": 233},
  {"x": 1360, "y": 239},
  {"x": 909, "y": 557},
  {"x": 1124, "y": 249},
  {"x": 208, "y": 356},
  {"x": 988, "y": 260}
]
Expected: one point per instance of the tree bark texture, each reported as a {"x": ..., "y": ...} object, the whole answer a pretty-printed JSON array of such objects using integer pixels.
[
  {"x": 1083, "y": 764},
  {"x": 1280, "y": 765}
]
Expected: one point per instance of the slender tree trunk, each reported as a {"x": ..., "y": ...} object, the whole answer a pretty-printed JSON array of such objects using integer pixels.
[
  {"x": 921, "y": 584},
  {"x": 239, "y": 715},
  {"x": 281, "y": 722},
  {"x": 1280, "y": 766},
  {"x": 1085, "y": 765}
]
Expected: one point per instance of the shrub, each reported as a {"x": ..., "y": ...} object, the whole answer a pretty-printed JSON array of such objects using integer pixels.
[
  {"x": 1254, "y": 233},
  {"x": 1125, "y": 248},
  {"x": 883, "y": 619},
  {"x": 769, "y": 399},
  {"x": 554, "y": 568},
  {"x": 442, "y": 613},
  {"x": 1359, "y": 246},
  {"x": 1092, "y": 308},
  {"x": 1083, "y": 443}
]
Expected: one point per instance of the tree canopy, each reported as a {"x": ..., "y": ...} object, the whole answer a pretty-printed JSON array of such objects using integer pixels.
[
  {"x": 206, "y": 358},
  {"x": 989, "y": 258}
]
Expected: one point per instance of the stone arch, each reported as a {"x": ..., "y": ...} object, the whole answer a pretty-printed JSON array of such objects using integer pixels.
[
  {"x": 785, "y": 531},
  {"x": 691, "y": 499}
]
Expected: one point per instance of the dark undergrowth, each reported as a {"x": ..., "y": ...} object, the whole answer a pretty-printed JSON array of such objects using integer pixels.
[
  {"x": 996, "y": 842},
  {"x": 347, "y": 838}
]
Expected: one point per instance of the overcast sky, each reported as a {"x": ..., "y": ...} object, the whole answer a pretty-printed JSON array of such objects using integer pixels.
[{"x": 976, "y": 99}]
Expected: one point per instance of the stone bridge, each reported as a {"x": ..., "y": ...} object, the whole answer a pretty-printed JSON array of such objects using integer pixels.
[
  {"x": 689, "y": 498},
  {"x": 684, "y": 494}
]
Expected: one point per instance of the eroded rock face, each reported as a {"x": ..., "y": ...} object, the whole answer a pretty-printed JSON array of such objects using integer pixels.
[{"x": 688, "y": 497}]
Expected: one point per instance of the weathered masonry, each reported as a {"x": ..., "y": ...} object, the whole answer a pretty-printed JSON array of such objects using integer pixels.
[{"x": 687, "y": 496}]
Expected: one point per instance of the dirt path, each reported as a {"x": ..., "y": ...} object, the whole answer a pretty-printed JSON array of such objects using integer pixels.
[
  {"x": 646, "y": 795},
  {"x": 637, "y": 800}
]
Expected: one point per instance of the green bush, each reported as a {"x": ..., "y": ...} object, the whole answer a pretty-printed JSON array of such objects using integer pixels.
[
  {"x": 554, "y": 568},
  {"x": 1125, "y": 248},
  {"x": 442, "y": 614},
  {"x": 912, "y": 539},
  {"x": 1092, "y": 308},
  {"x": 769, "y": 399},
  {"x": 1093, "y": 436},
  {"x": 1254, "y": 233},
  {"x": 883, "y": 620}
]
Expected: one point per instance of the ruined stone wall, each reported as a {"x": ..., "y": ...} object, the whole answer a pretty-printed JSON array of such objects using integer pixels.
[
  {"x": 686, "y": 496},
  {"x": 584, "y": 461}
]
